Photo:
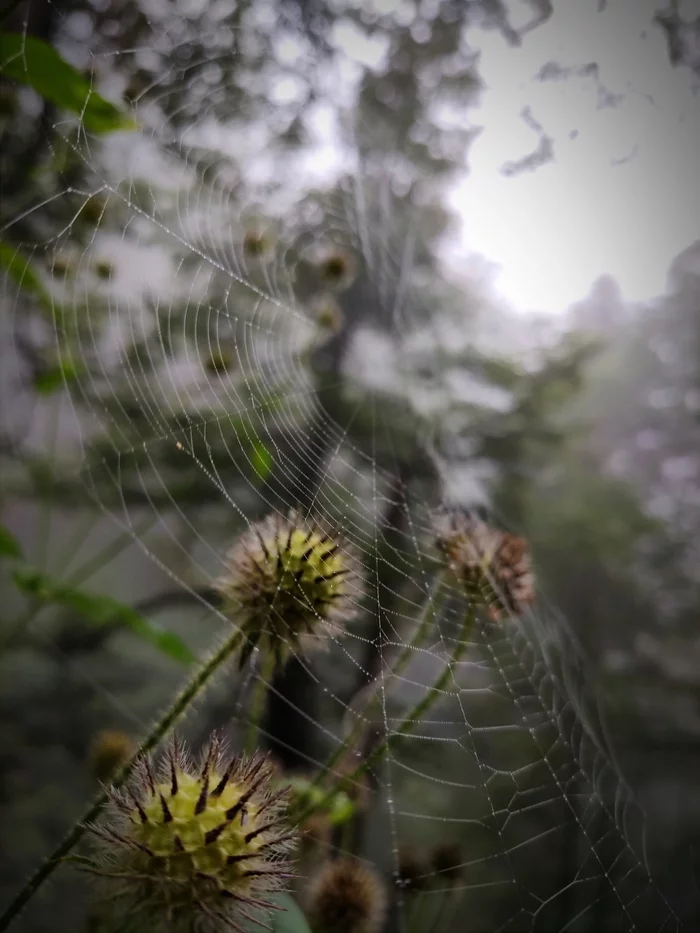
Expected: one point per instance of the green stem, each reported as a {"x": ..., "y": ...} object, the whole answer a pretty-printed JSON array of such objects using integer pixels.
[
  {"x": 427, "y": 617},
  {"x": 195, "y": 686},
  {"x": 414, "y": 716},
  {"x": 257, "y": 710},
  {"x": 46, "y": 516}
]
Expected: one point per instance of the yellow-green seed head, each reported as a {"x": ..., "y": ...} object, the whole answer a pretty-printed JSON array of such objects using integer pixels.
[
  {"x": 494, "y": 567},
  {"x": 194, "y": 847},
  {"x": 288, "y": 585},
  {"x": 346, "y": 896},
  {"x": 110, "y": 750}
]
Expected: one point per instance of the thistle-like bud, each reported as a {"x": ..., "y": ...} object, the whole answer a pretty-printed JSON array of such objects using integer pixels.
[
  {"x": 110, "y": 750},
  {"x": 190, "y": 847},
  {"x": 346, "y": 896},
  {"x": 289, "y": 586},
  {"x": 493, "y": 566},
  {"x": 447, "y": 860}
]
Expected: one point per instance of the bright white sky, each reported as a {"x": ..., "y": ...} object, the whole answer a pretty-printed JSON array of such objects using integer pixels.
[{"x": 622, "y": 196}]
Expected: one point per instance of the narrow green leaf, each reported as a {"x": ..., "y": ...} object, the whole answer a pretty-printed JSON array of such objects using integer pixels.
[
  {"x": 34, "y": 62},
  {"x": 55, "y": 377},
  {"x": 102, "y": 610},
  {"x": 16, "y": 265},
  {"x": 9, "y": 545},
  {"x": 261, "y": 459}
]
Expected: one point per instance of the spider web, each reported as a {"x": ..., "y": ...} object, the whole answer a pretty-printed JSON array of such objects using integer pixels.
[{"x": 210, "y": 389}]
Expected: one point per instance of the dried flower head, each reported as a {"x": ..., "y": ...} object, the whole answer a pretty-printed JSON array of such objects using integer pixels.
[
  {"x": 110, "y": 750},
  {"x": 494, "y": 566},
  {"x": 413, "y": 874},
  {"x": 328, "y": 315},
  {"x": 337, "y": 268},
  {"x": 447, "y": 860},
  {"x": 219, "y": 361},
  {"x": 194, "y": 847},
  {"x": 346, "y": 896},
  {"x": 288, "y": 585},
  {"x": 257, "y": 244}
]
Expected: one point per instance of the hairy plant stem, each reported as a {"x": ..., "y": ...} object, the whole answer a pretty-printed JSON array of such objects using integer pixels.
[
  {"x": 257, "y": 709},
  {"x": 413, "y": 717},
  {"x": 161, "y": 728},
  {"x": 425, "y": 619}
]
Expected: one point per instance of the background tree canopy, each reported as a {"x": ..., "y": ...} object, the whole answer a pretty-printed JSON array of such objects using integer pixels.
[{"x": 245, "y": 268}]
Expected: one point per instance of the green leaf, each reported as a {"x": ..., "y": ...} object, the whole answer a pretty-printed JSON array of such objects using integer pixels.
[
  {"x": 261, "y": 459},
  {"x": 288, "y": 920},
  {"x": 17, "y": 266},
  {"x": 34, "y": 62},
  {"x": 102, "y": 610},
  {"x": 9, "y": 545},
  {"x": 54, "y": 377},
  {"x": 292, "y": 920}
]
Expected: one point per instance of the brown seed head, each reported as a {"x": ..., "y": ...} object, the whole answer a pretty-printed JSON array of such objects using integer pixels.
[
  {"x": 493, "y": 566},
  {"x": 447, "y": 860},
  {"x": 337, "y": 269},
  {"x": 256, "y": 244},
  {"x": 413, "y": 872},
  {"x": 110, "y": 750},
  {"x": 346, "y": 896}
]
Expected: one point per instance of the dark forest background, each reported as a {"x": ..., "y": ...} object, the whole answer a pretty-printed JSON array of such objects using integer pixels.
[{"x": 138, "y": 267}]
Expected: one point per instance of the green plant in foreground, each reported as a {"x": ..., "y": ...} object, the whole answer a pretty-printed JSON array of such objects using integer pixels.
[
  {"x": 288, "y": 586},
  {"x": 193, "y": 847}
]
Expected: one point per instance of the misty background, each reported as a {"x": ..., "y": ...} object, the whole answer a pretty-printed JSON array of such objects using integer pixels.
[{"x": 514, "y": 189}]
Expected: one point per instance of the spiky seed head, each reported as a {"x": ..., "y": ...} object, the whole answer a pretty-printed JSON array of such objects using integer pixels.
[
  {"x": 110, "y": 750},
  {"x": 256, "y": 243},
  {"x": 337, "y": 268},
  {"x": 413, "y": 874},
  {"x": 493, "y": 566},
  {"x": 194, "y": 846},
  {"x": 289, "y": 585},
  {"x": 104, "y": 269},
  {"x": 218, "y": 361},
  {"x": 328, "y": 315},
  {"x": 447, "y": 860},
  {"x": 346, "y": 896}
]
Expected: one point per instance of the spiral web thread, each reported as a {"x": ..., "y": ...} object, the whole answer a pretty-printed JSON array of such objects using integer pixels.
[{"x": 512, "y": 761}]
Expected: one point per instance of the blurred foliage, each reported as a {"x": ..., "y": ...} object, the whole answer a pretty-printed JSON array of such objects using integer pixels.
[{"x": 209, "y": 393}]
